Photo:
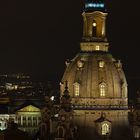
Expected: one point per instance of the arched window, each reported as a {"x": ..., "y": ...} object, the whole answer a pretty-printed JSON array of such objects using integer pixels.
[
  {"x": 60, "y": 132},
  {"x": 102, "y": 89},
  {"x": 94, "y": 28},
  {"x": 105, "y": 129},
  {"x": 43, "y": 129},
  {"x": 136, "y": 132},
  {"x": 76, "y": 89}
]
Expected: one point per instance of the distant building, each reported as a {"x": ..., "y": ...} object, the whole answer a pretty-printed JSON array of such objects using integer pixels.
[
  {"x": 23, "y": 85},
  {"x": 27, "y": 117},
  {"x": 14, "y": 82},
  {"x": 22, "y": 104}
]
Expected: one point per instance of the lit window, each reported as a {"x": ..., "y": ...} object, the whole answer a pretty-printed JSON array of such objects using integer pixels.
[
  {"x": 80, "y": 64},
  {"x": 102, "y": 88},
  {"x": 136, "y": 132},
  {"x": 97, "y": 48},
  {"x": 76, "y": 89},
  {"x": 101, "y": 64},
  {"x": 94, "y": 24},
  {"x": 105, "y": 129},
  {"x": 94, "y": 29}
]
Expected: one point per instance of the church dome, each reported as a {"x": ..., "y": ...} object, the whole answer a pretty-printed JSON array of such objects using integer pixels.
[
  {"x": 96, "y": 81},
  {"x": 96, "y": 78}
]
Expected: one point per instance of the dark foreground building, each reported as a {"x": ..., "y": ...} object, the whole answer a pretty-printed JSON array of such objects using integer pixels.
[{"x": 13, "y": 133}]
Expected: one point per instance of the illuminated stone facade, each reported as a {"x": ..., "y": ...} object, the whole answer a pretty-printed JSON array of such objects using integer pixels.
[
  {"x": 97, "y": 83},
  {"x": 4, "y": 118},
  {"x": 28, "y": 119}
]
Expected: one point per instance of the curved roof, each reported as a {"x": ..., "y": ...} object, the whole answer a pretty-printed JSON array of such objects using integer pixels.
[{"x": 90, "y": 70}]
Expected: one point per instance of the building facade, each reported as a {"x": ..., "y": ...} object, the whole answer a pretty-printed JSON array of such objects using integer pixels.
[
  {"x": 26, "y": 116},
  {"x": 96, "y": 80}
]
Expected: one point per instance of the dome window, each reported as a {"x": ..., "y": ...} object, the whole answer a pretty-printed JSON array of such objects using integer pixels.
[
  {"x": 136, "y": 132},
  {"x": 101, "y": 64},
  {"x": 94, "y": 24},
  {"x": 105, "y": 129},
  {"x": 94, "y": 28},
  {"x": 60, "y": 132},
  {"x": 103, "y": 125},
  {"x": 97, "y": 47},
  {"x": 102, "y": 89},
  {"x": 80, "y": 64},
  {"x": 76, "y": 89}
]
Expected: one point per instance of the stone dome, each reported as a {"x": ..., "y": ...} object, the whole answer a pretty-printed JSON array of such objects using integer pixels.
[
  {"x": 96, "y": 79},
  {"x": 96, "y": 82}
]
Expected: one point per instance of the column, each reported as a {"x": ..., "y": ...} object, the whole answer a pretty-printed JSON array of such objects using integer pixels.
[
  {"x": 26, "y": 120},
  {"x": 32, "y": 121},
  {"x": 37, "y": 120},
  {"x": 21, "y": 120}
]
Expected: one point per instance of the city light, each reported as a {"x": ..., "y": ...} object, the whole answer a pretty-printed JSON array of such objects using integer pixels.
[{"x": 52, "y": 98}]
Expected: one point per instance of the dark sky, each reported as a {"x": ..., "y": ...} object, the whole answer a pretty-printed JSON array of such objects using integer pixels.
[{"x": 37, "y": 36}]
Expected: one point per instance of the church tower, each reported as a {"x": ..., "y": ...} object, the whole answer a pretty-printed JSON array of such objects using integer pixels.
[{"x": 96, "y": 80}]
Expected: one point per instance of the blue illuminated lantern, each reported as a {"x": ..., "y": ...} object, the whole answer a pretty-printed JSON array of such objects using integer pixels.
[{"x": 94, "y": 5}]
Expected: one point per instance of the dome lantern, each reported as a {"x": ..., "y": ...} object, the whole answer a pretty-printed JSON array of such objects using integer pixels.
[
  {"x": 94, "y": 27},
  {"x": 94, "y": 5}
]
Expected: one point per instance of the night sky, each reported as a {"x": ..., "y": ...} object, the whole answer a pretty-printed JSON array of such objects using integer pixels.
[{"x": 36, "y": 37}]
